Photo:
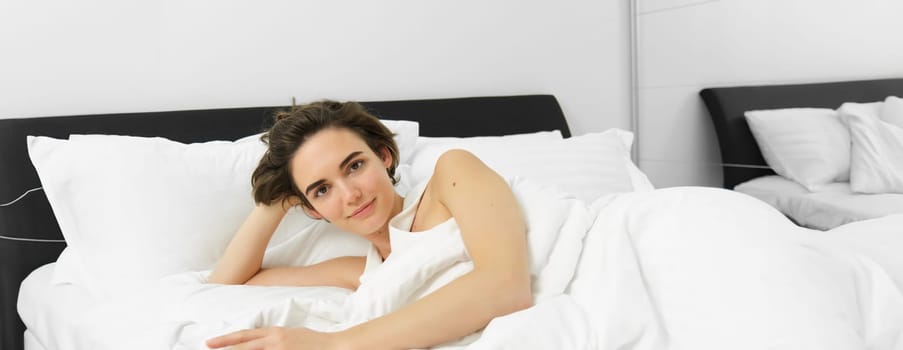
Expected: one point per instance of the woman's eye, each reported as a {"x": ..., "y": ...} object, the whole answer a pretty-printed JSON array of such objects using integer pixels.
[
  {"x": 321, "y": 191},
  {"x": 356, "y": 165}
]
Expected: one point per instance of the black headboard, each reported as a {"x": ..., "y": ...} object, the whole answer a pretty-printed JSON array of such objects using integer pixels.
[
  {"x": 30, "y": 236},
  {"x": 740, "y": 155}
]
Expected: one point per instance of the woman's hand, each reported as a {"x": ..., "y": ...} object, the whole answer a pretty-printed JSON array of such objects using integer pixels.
[{"x": 277, "y": 338}]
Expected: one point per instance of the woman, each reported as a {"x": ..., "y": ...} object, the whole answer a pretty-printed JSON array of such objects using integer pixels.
[{"x": 338, "y": 163}]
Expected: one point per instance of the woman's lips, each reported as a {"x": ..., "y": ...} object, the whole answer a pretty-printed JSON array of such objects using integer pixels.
[{"x": 364, "y": 210}]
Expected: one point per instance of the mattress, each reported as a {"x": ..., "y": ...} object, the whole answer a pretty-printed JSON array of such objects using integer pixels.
[
  {"x": 834, "y": 205},
  {"x": 49, "y": 310}
]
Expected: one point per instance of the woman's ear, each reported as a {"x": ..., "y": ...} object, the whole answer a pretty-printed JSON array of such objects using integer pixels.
[{"x": 386, "y": 156}]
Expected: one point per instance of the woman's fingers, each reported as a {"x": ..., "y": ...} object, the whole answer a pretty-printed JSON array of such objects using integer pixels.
[
  {"x": 236, "y": 338},
  {"x": 256, "y": 344}
]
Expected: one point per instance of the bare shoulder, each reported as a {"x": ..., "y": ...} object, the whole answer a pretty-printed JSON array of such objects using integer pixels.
[
  {"x": 456, "y": 154},
  {"x": 456, "y": 163},
  {"x": 460, "y": 176}
]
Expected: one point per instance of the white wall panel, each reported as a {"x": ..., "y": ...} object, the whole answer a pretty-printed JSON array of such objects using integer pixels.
[
  {"x": 647, "y": 6},
  {"x": 99, "y": 56},
  {"x": 675, "y": 127},
  {"x": 751, "y": 40},
  {"x": 676, "y": 173}
]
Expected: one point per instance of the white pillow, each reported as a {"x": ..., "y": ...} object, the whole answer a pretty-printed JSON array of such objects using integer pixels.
[
  {"x": 876, "y": 157},
  {"x": 587, "y": 166},
  {"x": 893, "y": 111},
  {"x": 315, "y": 243},
  {"x": 429, "y": 149},
  {"x": 406, "y": 133},
  {"x": 808, "y": 145},
  {"x": 538, "y": 136},
  {"x": 134, "y": 209}
]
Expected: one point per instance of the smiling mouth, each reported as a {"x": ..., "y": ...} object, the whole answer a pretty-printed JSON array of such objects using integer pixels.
[{"x": 362, "y": 208}]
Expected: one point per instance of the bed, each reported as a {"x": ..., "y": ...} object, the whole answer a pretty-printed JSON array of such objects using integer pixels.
[
  {"x": 746, "y": 170},
  {"x": 31, "y": 236},
  {"x": 616, "y": 264}
]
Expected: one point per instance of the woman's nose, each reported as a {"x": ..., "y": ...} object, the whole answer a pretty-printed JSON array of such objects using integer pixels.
[{"x": 352, "y": 193}]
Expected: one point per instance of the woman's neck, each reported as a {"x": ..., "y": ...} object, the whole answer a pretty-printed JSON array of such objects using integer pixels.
[{"x": 381, "y": 239}]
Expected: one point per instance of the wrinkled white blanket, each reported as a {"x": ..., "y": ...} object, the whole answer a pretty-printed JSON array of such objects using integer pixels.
[
  {"x": 677, "y": 268},
  {"x": 704, "y": 268},
  {"x": 181, "y": 311}
]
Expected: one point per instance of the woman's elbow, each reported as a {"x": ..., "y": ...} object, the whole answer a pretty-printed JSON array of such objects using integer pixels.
[
  {"x": 221, "y": 278},
  {"x": 514, "y": 295},
  {"x": 523, "y": 299}
]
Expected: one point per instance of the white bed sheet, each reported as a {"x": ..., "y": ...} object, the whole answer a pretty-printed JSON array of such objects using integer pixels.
[
  {"x": 57, "y": 315},
  {"x": 835, "y": 205},
  {"x": 49, "y": 311},
  {"x": 678, "y": 268}
]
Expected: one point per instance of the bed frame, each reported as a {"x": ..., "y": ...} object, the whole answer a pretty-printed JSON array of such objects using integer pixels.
[
  {"x": 30, "y": 236},
  {"x": 740, "y": 155}
]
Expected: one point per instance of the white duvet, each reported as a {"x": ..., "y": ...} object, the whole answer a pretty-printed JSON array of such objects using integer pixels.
[{"x": 677, "y": 268}]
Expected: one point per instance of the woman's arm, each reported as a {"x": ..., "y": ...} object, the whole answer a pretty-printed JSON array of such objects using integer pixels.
[
  {"x": 344, "y": 272},
  {"x": 494, "y": 232},
  {"x": 244, "y": 255},
  {"x": 242, "y": 260}
]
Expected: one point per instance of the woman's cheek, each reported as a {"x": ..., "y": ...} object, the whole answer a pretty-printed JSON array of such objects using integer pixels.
[{"x": 335, "y": 208}]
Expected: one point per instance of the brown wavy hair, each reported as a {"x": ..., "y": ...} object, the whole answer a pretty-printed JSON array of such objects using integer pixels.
[{"x": 272, "y": 179}]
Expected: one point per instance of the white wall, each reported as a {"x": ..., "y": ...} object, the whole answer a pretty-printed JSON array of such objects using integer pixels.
[
  {"x": 64, "y": 57},
  {"x": 687, "y": 45}
]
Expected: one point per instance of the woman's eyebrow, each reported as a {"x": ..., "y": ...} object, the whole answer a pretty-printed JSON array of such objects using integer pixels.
[
  {"x": 341, "y": 165},
  {"x": 348, "y": 158},
  {"x": 313, "y": 186}
]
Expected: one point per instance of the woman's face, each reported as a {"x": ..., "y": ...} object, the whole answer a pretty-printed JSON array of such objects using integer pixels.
[{"x": 345, "y": 181}]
